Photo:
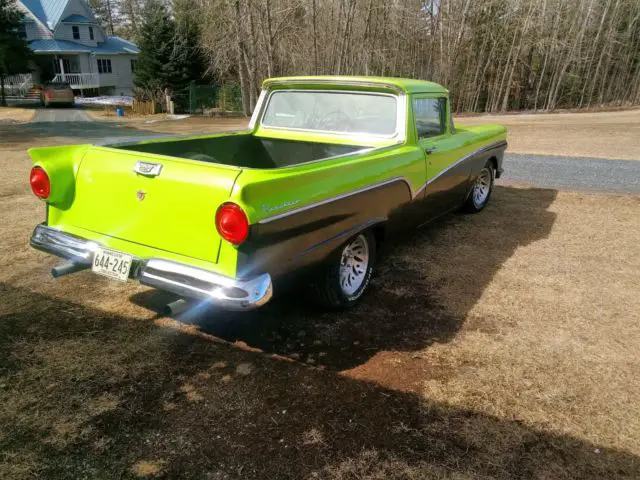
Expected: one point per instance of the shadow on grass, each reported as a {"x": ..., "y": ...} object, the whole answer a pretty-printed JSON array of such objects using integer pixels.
[
  {"x": 403, "y": 309},
  {"x": 85, "y": 394}
]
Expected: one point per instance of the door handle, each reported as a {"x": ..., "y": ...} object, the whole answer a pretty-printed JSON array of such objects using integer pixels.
[{"x": 430, "y": 150}]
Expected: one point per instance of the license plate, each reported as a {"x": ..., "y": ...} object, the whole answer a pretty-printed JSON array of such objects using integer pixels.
[{"x": 112, "y": 264}]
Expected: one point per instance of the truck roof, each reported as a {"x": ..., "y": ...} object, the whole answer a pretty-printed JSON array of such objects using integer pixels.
[{"x": 406, "y": 85}]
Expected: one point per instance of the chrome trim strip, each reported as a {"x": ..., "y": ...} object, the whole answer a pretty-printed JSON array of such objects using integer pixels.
[
  {"x": 484, "y": 149},
  {"x": 414, "y": 195},
  {"x": 257, "y": 111},
  {"x": 338, "y": 197},
  {"x": 183, "y": 280}
]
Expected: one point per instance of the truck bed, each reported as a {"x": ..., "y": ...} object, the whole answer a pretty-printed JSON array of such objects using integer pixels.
[{"x": 245, "y": 150}]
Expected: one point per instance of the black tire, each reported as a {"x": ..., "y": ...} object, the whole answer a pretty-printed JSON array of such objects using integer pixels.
[
  {"x": 477, "y": 200},
  {"x": 327, "y": 288}
]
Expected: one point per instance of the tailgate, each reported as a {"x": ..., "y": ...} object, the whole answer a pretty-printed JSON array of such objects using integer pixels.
[{"x": 173, "y": 210}]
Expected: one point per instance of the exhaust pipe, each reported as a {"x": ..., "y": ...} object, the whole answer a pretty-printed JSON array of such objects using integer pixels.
[
  {"x": 176, "y": 307},
  {"x": 67, "y": 268}
]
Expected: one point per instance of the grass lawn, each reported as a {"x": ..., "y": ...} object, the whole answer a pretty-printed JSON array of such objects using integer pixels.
[
  {"x": 16, "y": 114},
  {"x": 613, "y": 135}
]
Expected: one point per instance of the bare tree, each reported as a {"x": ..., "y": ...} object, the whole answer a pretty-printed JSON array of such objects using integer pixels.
[{"x": 494, "y": 55}]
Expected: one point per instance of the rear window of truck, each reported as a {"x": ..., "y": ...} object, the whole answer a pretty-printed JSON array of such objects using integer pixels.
[{"x": 332, "y": 111}]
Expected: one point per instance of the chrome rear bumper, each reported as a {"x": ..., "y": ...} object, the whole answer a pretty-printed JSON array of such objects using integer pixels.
[{"x": 178, "y": 278}]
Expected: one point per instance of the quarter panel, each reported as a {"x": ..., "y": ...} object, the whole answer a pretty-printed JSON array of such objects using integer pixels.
[{"x": 299, "y": 215}]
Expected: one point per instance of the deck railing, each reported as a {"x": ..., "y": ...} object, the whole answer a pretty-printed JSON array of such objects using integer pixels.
[
  {"x": 18, "y": 84},
  {"x": 79, "y": 80}
]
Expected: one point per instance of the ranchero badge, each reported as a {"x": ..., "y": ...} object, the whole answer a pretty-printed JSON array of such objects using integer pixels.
[
  {"x": 147, "y": 168},
  {"x": 141, "y": 194}
]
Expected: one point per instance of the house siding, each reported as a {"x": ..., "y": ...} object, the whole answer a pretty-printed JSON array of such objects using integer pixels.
[
  {"x": 65, "y": 32},
  {"x": 121, "y": 77},
  {"x": 36, "y": 31}
]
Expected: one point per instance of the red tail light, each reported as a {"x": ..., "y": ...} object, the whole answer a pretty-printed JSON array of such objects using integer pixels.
[
  {"x": 40, "y": 183},
  {"x": 232, "y": 223}
]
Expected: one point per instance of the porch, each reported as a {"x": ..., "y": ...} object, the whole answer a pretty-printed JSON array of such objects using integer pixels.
[
  {"x": 79, "y": 81},
  {"x": 78, "y": 70}
]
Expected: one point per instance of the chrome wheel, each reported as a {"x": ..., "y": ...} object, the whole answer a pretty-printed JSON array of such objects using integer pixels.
[
  {"x": 354, "y": 264},
  {"x": 482, "y": 187}
]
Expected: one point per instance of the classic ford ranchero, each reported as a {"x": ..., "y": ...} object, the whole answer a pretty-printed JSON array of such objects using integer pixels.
[{"x": 327, "y": 167}]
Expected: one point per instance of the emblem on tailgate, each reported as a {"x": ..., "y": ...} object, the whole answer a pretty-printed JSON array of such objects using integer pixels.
[{"x": 147, "y": 168}]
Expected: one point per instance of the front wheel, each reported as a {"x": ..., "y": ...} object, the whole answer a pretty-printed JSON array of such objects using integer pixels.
[
  {"x": 348, "y": 273},
  {"x": 481, "y": 189}
]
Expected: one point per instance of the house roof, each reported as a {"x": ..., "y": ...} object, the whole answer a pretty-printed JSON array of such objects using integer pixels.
[
  {"x": 77, "y": 19},
  {"x": 407, "y": 85},
  {"x": 47, "y": 11},
  {"x": 111, "y": 46}
]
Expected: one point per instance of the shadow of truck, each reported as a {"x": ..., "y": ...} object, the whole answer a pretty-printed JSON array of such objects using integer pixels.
[{"x": 405, "y": 309}]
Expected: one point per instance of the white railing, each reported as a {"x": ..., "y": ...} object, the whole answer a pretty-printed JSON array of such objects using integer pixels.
[
  {"x": 79, "y": 80},
  {"x": 18, "y": 84}
]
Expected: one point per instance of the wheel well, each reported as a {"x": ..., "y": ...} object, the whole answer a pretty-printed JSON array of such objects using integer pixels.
[
  {"x": 494, "y": 162},
  {"x": 379, "y": 233}
]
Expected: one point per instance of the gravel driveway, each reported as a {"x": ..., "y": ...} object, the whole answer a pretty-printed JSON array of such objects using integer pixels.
[
  {"x": 573, "y": 173},
  {"x": 61, "y": 115}
]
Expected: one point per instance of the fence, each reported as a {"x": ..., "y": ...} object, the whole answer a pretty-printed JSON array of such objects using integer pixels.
[
  {"x": 18, "y": 84},
  {"x": 194, "y": 99},
  {"x": 207, "y": 99},
  {"x": 144, "y": 107}
]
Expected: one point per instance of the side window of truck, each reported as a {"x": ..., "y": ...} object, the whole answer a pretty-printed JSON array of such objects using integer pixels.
[{"x": 430, "y": 116}]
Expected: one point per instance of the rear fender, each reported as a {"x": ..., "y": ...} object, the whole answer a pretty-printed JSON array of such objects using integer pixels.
[{"x": 61, "y": 165}]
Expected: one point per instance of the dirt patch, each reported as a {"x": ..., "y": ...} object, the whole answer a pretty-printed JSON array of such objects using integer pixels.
[
  {"x": 614, "y": 135},
  {"x": 16, "y": 114}
]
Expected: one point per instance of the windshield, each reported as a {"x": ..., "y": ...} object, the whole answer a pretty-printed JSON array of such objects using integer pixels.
[{"x": 340, "y": 112}]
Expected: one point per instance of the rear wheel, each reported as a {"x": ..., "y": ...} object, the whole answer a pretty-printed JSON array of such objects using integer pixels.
[
  {"x": 481, "y": 189},
  {"x": 346, "y": 277}
]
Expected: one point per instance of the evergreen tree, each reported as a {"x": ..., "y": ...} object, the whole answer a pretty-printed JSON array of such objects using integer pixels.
[
  {"x": 14, "y": 51},
  {"x": 155, "y": 69},
  {"x": 188, "y": 59}
]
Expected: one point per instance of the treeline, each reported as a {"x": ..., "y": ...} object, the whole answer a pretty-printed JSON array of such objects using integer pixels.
[{"x": 493, "y": 55}]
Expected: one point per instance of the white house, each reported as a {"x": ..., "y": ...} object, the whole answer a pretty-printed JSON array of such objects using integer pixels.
[{"x": 70, "y": 46}]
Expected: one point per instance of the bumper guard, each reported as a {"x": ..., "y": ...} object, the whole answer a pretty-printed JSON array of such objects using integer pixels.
[{"x": 174, "y": 277}]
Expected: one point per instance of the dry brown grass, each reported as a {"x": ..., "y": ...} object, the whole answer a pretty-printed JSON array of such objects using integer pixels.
[
  {"x": 16, "y": 114},
  {"x": 599, "y": 134},
  {"x": 499, "y": 345}
]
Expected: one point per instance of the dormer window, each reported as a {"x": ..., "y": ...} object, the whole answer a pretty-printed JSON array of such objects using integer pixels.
[
  {"x": 91, "y": 33},
  {"x": 76, "y": 32}
]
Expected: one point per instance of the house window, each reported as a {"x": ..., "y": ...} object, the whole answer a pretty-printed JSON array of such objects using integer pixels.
[
  {"x": 22, "y": 30},
  {"x": 66, "y": 65},
  {"x": 430, "y": 116},
  {"x": 104, "y": 65},
  {"x": 133, "y": 65},
  {"x": 76, "y": 32},
  {"x": 91, "y": 33}
]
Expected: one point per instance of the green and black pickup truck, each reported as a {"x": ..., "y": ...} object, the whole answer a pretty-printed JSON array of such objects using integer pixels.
[{"x": 327, "y": 167}]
